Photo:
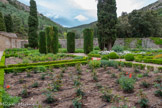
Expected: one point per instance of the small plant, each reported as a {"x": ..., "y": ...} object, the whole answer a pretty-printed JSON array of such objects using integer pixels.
[
  {"x": 21, "y": 81},
  {"x": 143, "y": 102},
  {"x": 146, "y": 74},
  {"x": 107, "y": 94},
  {"x": 158, "y": 93},
  {"x": 24, "y": 93},
  {"x": 79, "y": 92},
  {"x": 43, "y": 76},
  {"x": 158, "y": 79},
  {"x": 35, "y": 85},
  {"x": 94, "y": 64},
  {"x": 56, "y": 86},
  {"x": 136, "y": 70},
  {"x": 28, "y": 73},
  {"x": 49, "y": 97},
  {"x": 99, "y": 86},
  {"x": 39, "y": 69},
  {"x": 129, "y": 57},
  {"x": 127, "y": 84},
  {"x": 113, "y": 75},
  {"x": 105, "y": 57},
  {"x": 77, "y": 102},
  {"x": 77, "y": 83},
  {"x": 145, "y": 84}
]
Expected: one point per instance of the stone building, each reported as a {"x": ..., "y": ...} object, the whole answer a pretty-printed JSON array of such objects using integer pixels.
[{"x": 10, "y": 40}]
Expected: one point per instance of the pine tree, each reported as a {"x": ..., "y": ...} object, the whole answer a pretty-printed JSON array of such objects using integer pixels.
[
  {"x": 107, "y": 20},
  {"x": 33, "y": 25},
  {"x": 2, "y": 24},
  {"x": 42, "y": 42},
  {"x": 8, "y": 23}
]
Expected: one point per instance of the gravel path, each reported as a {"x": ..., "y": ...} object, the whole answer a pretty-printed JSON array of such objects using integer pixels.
[{"x": 1, "y": 54}]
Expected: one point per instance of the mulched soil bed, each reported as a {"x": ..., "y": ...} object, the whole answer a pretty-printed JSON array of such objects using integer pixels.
[{"x": 92, "y": 98}]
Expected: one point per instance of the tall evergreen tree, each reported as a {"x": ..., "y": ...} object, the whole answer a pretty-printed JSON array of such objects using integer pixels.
[
  {"x": 42, "y": 42},
  {"x": 2, "y": 24},
  {"x": 33, "y": 25},
  {"x": 107, "y": 20},
  {"x": 8, "y": 23}
]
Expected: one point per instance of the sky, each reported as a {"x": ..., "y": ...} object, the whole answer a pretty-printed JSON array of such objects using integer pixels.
[{"x": 70, "y": 13}]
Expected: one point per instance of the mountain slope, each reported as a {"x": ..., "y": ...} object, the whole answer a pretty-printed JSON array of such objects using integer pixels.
[{"x": 20, "y": 13}]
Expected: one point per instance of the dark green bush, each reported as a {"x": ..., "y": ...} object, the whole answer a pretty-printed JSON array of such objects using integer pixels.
[
  {"x": 55, "y": 40},
  {"x": 47, "y": 30},
  {"x": 42, "y": 42},
  {"x": 113, "y": 55},
  {"x": 129, "y": 57},
  {"x": 88, "y": 40},
  {"x": 71, "y": 42}
]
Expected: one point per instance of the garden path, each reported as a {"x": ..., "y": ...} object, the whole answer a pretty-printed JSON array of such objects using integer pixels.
[
  {"x": 1, "y": 54},
  {"x": 78, "y": 54},
  {"x": 147, "y": 64}
]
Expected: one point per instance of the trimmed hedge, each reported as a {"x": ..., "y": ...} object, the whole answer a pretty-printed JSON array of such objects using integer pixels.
[
  {"x": 71, "y": 42},
  {"x": 94, "y": 55},
  {"x": 129, "y": 57},
  {"x": 55, "y": 41},
  {"x": 113, "y": 55},
  {"x": 21, "y": 69},
  {"x": 42, "y": 63},
  {"x": 88, "y": 40},
  {"x": 42, "y": 42}
]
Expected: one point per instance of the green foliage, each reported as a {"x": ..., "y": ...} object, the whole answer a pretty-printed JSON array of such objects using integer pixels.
[
  {"x": 113, "y": 55},
  {"x": 157, "y": 41},
  {"x": 158, "y": 93},
  {"x": 42, "y": 42},
  {"x": 118, "y": 48},
  {"x": 107, "y": 20},
  {"x": 49, "y": 97},
  {"x": 129, "y": 57},
  {"x": 77, "y": 102},
  {"x": 145, "y": 84},
  {"x": 8, "y": 100},
  {"x": 71, "y": 42},
  {"x": 33, "y": 25},
  {"x": 105, "y": 57},
  {"x": 39, "y": 69},
  {"x": 8, "y": 23},
  {"x": 127, "y": 84},
  {"x": 107, "y": 94},
  {"x": 88, "y": 40},
  {"x": 94, "y": 64},
  {"x": 2, "y": 24}
]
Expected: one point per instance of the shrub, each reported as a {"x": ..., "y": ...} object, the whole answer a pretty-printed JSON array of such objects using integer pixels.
[
  {"x": 105, "y": 57},
  {"x": 129, "y": 57},
  {"x": 42, "y": 42},
  {"x": 47, "y": 31},
  {"x": 49, "y": 97},
  {"x": 71, "y": 42},
  {"x": 55, "y": 40},
  {"x": 96, "y": 48},
  {"x": 39, "y": 69},
  {"x": 94, "y": 64},
  {"x": 143, "y": 102},
  {"x": 127, "y": 84},
  {"x": 113, "y": 55},
  {"x": 158, "y": 93},
  {"x": 128, "y": 64},
  {"x": 94, "y": 52},
  {"x": 145, "y": 84},
  {"x": 88, "y": 40},
  {"x": 118, "y": 48}
]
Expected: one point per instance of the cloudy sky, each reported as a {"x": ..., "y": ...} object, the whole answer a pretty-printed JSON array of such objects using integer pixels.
[{"x": 71, "y": 13}]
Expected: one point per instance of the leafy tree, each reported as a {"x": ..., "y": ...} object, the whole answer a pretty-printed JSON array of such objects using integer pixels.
[
  {"x": 42, "y": 42},
  {"x": 71, "y": 42},
  {"x": 8, "y": 23},
  {"x": 107, "y": 19},
  {"x": 2, "y": 24},
  {"x": 33, "y": 25},
  {"x": 88, "y": 40}
]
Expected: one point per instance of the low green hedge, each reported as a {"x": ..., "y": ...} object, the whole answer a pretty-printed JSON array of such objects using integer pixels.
[
  {"x": 57, "y": 65},
  {"x": 94, "y": 55},
  {"x": 42, "y": 63},
  {"x": 128, "y": 64},
  {"x": 139, "y": 66}
]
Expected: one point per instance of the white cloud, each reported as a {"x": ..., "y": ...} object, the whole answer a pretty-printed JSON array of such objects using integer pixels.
[{"x": 81, "y": 18}]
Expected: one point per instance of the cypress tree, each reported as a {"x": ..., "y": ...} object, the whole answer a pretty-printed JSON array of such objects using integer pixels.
[
  {"x": 55, "y": 41},
  {"x": 88, "y": 40},
  {"x": 47, "y": 30},
  {"x": 33, "y": 25},
  {"x": 8, "y": 23},
  {"x": 107, "y": 20},
  {"x": 2, "y": 24},
  {"x": 71, "y": 42},
  {"x": 42, "y": 42}
]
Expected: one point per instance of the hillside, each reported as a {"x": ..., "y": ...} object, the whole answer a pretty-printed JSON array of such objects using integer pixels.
[
  {"x": 20, "y": 13},
  {"x": 157, "y": 6}
]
